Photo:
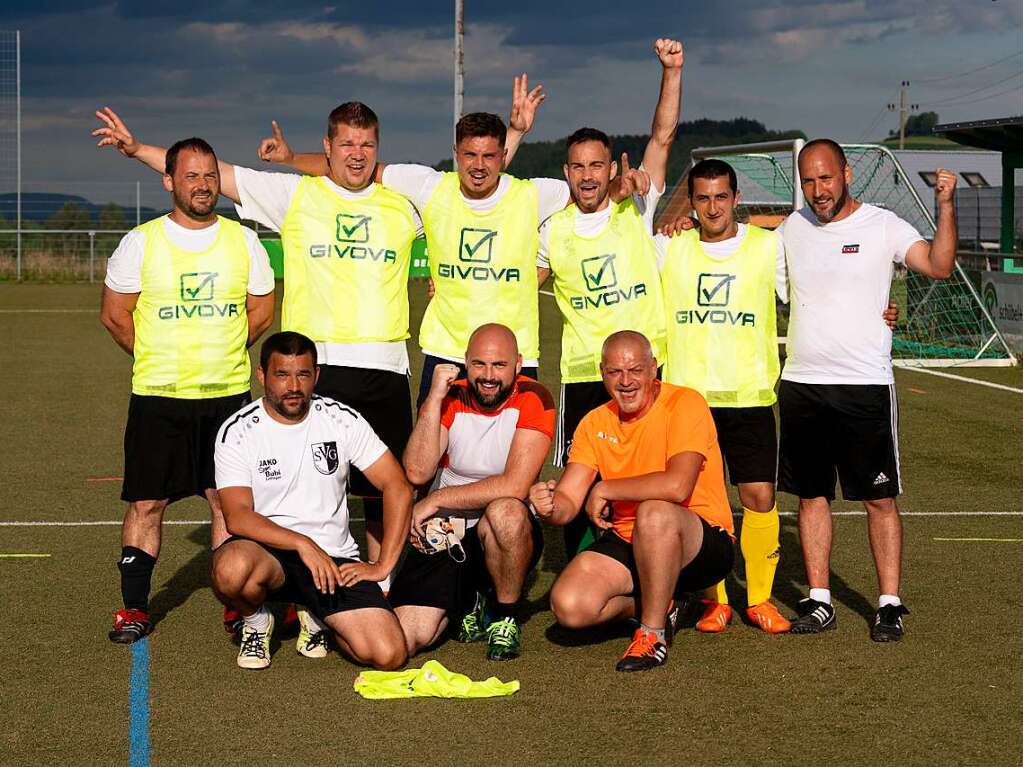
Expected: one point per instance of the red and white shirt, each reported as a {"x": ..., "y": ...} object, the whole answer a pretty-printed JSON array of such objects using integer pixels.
[{"x": 479, "y": 440}]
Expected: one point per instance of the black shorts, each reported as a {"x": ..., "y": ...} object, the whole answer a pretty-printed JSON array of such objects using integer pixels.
[
  {"x": 712, "y": 563},
  {"x": 430, "y": 362},
  {"x": 168, "y": 445},
  {"x": 851, "y": 431},
  {"x": 383, "y": 398},
  {"x": 298, "y": 586},
  {"x": 436, "y": 580},
  {"x": 749, "y": 443},
  {"x": 577, "y": 399}
]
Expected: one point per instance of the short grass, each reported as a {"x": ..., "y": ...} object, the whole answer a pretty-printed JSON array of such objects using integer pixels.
[{"x": 948, "y": 694}]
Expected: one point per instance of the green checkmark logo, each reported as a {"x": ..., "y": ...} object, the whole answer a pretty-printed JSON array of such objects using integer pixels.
[
  {"x": 476, "y": 245},
  {"x": 352, "y": 228},
  {"x": 599, "y": 272},
  {"x": 197, "y": 286},
  {"x": 714, "y": 289}
]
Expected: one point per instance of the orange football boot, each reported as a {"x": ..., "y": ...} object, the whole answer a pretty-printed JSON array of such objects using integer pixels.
[
  {"x": 715, "y": 617},
  {"x": 766, "y": 617}
]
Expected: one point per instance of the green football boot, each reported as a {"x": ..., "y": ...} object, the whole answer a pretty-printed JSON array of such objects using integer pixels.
[
  {"x": 474, "y": 624},
  {"x": 504, "y": 639}
]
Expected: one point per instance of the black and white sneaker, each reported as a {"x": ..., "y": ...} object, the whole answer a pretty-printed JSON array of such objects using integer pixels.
[
  {"x": 887, "y": 625},
  {"x": 814, "y": 617},
  {"x": 671, "y": 622}
]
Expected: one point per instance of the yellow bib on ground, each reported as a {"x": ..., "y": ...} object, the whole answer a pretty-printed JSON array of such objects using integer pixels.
[
  {"x": 190, "y": 319},
  {"x": 604, "y": 284},
  {"x": 430, "y": 681},
  {"x": 346, "y": 264},
  {"x": 483, "y": 267},
  {"x": 722, "y": 330}
]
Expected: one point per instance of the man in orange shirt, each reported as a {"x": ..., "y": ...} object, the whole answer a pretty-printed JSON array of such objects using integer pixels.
[{"x": 661, "y": 503}]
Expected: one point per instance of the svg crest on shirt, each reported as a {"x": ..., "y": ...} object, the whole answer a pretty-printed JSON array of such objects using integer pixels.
[{"x": 325, "y": 457}]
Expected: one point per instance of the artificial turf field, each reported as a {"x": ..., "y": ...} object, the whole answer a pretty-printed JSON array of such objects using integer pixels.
[{"x": 949, "y": 693}]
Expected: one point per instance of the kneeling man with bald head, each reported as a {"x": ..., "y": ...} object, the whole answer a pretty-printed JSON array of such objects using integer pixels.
[
  {"x": 473, "y": 537},
  {"x": 660, "y": 502}
]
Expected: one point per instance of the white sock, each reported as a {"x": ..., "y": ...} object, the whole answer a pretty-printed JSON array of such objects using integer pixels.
[
  {"x": 258, "y": 621},
  {"x": 659, "y": 633},
  {"x": 314, "y": 623},
  {"x": 821, "y": 595},
  {"x": 889, "y": 599}
]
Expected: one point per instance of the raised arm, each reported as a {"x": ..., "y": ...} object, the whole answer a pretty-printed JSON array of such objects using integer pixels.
[
  {"x": 937, "y": 259},
  {"x": 277, "y": 150},
  {"x": 523, "y": 112},
  {"x": 429, "y": 439},
  {"x": 115, "y": 133},
  {"x": 662, "y": 133}
]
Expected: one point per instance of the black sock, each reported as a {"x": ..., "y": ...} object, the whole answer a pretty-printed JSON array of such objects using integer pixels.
[
  {"x": 501, "y": 610},
  {"x": 136, "y": 568}
]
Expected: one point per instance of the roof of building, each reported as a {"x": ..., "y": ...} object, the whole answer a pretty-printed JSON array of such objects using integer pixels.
[{"x": 1004, "y": 134}]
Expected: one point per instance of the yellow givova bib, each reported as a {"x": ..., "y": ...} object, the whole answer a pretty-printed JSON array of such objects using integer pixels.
[
  {"x": 190, "y": 320},
  {"x": 346, "y": 264},
  {"x": 722, "y": 329},
  {"x": 483, "y": 267},
  {"x": 604, "y": 284}
]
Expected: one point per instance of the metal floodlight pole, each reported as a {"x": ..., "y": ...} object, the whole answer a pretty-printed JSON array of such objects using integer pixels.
[
  {"x": 17, "y": 80},
  {"x": 459, "y": 71}
]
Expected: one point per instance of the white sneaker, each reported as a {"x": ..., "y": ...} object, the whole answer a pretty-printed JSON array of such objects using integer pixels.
[
  {"x": 312, "y": 641},
  {"x": 254, "y": 652}
]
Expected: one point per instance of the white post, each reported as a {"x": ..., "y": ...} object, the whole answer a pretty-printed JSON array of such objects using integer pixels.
[
  {"x": 797, "y": 187},
  {"x": 459, "y": 70},
  {"x": 138, "y": 203},
  {"x": 92, "y": 257},
  {"x": 17, "y": 78}
]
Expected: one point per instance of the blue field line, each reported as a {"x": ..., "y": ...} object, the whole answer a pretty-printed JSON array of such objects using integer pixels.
[{"x": 138, "y": 700}]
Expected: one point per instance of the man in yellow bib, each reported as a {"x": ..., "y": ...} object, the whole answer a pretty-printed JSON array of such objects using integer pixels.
[
  {"x": 481, "y": 228},
  {"x": 719, "y": 286},
  {"x": 601, "y": 253},
  {"x": 185, "y": 294},
  {"x": 347, "y": 246}
]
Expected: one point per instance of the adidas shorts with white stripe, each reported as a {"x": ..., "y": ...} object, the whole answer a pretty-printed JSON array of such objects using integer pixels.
[{"x": 836, "y": 431}]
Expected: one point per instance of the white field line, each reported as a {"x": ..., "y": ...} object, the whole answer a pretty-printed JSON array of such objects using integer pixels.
[
  {"x": 114, "y": 523},
  {"x": 118, "y": 522},
  {"x": 965, "y": 379},
  {"x": 547, "y": 293},
  {"x": 49, "y": 311},
  {"x": 980, "y": 540}
]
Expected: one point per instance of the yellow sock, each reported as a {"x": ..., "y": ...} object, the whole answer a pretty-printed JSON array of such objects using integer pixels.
[
  {"x": 717, "y": 593},
  {"x": 760, "y": 550}
]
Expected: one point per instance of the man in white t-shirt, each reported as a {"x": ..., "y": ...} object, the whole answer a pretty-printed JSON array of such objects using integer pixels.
[
  {"x": 839, "y": 415},
  {"x": 481, "y": 228},
  {"x": 185, "y": 295},
  {"x": 282, "y": 466},
  {"x": 347, "y": 247},
  {"x": 602, "y": 256}
]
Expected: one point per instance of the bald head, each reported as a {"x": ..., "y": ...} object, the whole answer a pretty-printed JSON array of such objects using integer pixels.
[
  {"x": 629, "y": 371},
  {"x": 496, "y": 336},
  {"x": 635, "y": 344},
  {"x": 492, "y": 363}
]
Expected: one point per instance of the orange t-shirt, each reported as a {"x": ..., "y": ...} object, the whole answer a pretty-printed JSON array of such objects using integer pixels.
[{"x": 679, "y": 422}]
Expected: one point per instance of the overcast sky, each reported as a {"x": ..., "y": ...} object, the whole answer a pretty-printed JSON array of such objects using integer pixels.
[{"x": 222, "y": 69}]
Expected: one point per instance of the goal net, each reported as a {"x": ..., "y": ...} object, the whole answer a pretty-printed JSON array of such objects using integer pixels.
[{"x": 941, "y": 322}]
